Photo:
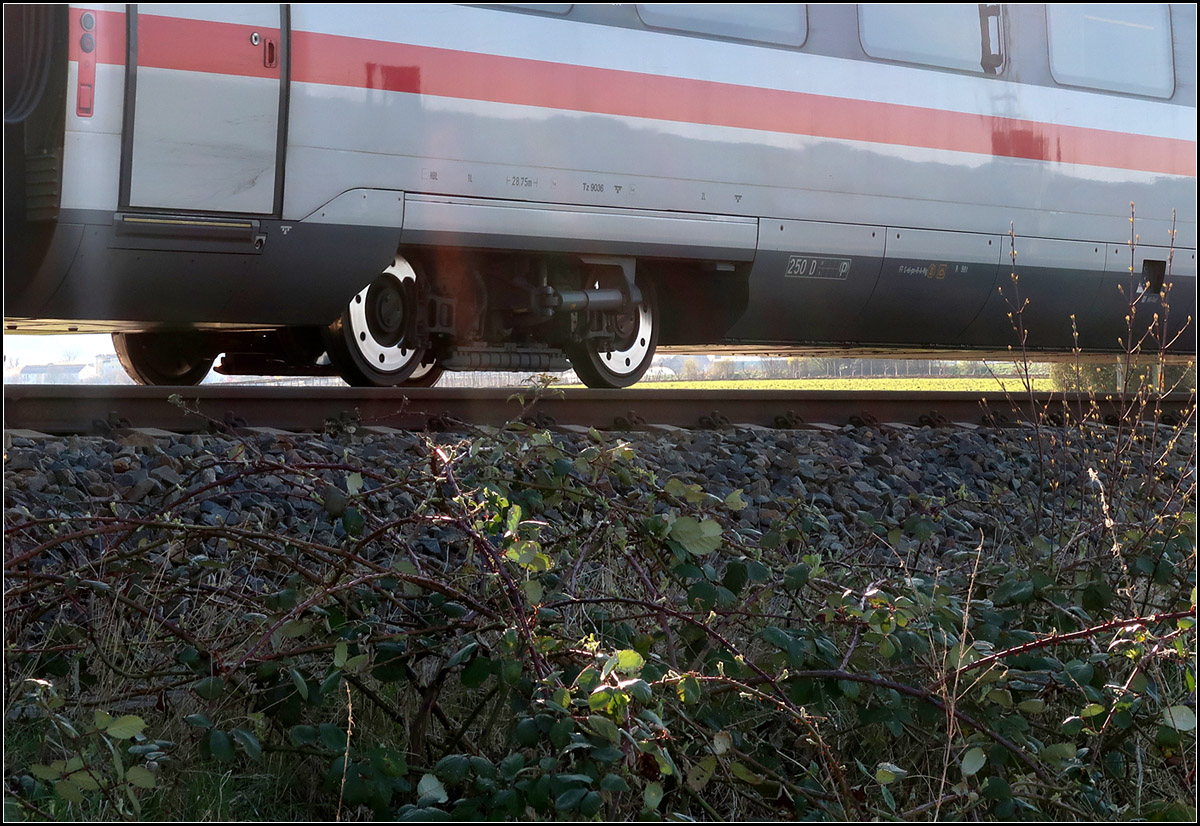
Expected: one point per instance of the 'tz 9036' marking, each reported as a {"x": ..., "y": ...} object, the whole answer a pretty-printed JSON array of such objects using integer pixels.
[{"x": 811, "y": 266}]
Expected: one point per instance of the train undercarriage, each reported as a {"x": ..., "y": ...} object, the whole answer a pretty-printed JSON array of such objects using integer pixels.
[{"x": 599, "y": 315}]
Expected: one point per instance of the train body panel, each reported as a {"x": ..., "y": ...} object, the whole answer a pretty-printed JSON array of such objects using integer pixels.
[{"x": 255, "y": 167}]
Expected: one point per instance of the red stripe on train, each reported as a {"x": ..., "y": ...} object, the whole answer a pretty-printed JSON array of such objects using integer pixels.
[
  {"x": 174, "y": 43},
  {"x": 358, "y": 63},
  {"x": 179, "y": 43},
  {"x": 204, "y": 46}
]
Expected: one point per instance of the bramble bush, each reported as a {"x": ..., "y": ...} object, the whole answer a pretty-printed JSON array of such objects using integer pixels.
[{"x": 516, "y": 624}]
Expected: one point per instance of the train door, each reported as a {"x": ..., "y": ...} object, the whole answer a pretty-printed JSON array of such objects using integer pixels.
[{"x": 204, "y": 110}]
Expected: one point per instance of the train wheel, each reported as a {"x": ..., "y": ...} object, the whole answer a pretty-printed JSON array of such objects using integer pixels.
[
  {"x": 163, "y": 358},
  {"x": 631, "y": 353},
  {"x": 426, "y": 375},
  {"x": 374, "y": 343}
]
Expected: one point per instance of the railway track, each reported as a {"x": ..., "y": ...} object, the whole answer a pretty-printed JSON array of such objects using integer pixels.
[{"x": 90, "y": 409}]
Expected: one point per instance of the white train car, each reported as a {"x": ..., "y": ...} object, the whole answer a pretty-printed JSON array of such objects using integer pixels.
[{"x": 391, "y": 191}]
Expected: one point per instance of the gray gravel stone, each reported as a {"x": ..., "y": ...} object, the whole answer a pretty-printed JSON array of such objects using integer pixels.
[{"x": 966, "y": 482}]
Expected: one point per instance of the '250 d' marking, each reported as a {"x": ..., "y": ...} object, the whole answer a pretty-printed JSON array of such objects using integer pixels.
[{"x": 814, "y": 266}]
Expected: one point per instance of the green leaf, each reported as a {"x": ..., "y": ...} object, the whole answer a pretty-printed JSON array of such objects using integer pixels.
[
  {"x": 295, "y": 628},
  {"x": 526, "y": 733},
  {"x": 300, "y": 683},
  {"x": 125, "y": 727},
  {"x": 534, "y": 592},
  {"x": 888, "y": 798},
  {"x": 1059, "y": 751},
  {"x": 640, "y": 690},
  {"x": 220, "y": 745},
  {"x": 476, "y": 672},
  {"x": 1091, "y": 710},
  {"x": 43, "y": 772},
  {"x": 744, "y": 774},
  {"x": 736, "y": 576},
  {"x": 570, "y": 799},
  {"x": 607, "y": 754},
  {"x": 701, "y": 772},
  {"x": 603, "y": 698},
  {"x": 1180, "y": 718},
  {"x": 689, "y": 690},
  {"x": 591, "y": 804},
  {"x": 702, "y": 596},
  {"x": 777, "y": 637},
  {"x": 696, "y": 537},
  {"x": 629, "y": 661},
  {"x": 921, "y": 527},
  {"x": 560, "y": 732},
  {"x": 511, "y": 766},
  {"x": 332, "y": 737},
  {"x": 1096, "y": 596},
  {"x": 85, "y": 780},
  {"x": 303, "y": 735},
  {"x": 1072, "y": 726},
  {"x": 973, "y": 761},
  {"x": 605, "y": 728},
  {"x": 1170, "y": 810},
  {"x": 210, "y": 688},
  {"x": 1002, "y": 697},
  {"x": 431, "y": 790},
  {"x": 353, "y": 522},
  {"x": 1013, "y": 591},
  {"x": 1080, "y": 672},
  {"x": 734, "y": 500},
  {"x": 888, "y": 773},
  {"x": 796, "y": 577},
  {"x": 653, "y": 795},
  {"x": 462, "y": 654},
  {"x": 614, "y": 783},
  {"x": 997, "y": 788},
  {"x": 453, "y": 768},
  {"x": 140, "y": 776},
  {"x": 68, "y": 791},
  {"x": 249, "y": 743}
]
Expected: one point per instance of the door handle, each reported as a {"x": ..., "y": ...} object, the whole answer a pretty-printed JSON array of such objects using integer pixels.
[{"x": 270, "y": 49}]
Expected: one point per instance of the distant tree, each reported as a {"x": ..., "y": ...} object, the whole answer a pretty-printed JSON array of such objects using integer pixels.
[
  {"x": 1105, "y": 378},
  {"x": 722, "y": 369}
]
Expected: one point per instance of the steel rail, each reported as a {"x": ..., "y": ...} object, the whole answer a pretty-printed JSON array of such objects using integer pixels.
[{"x": 90, "y": 409}]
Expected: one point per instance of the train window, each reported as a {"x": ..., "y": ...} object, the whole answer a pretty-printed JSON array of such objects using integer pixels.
[
  {"x": 1117, "y": 48},
  {"x": 947, "y": 35},
  {"x": 784, "y": 24}
]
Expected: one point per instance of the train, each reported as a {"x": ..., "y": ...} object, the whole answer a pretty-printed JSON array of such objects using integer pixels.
[{"x": 388, "y": 192}]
